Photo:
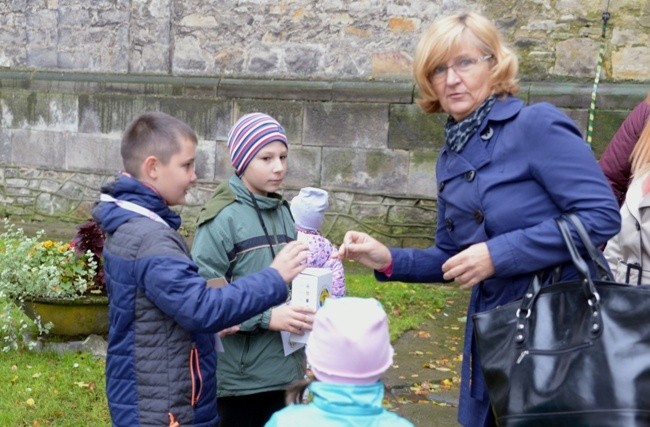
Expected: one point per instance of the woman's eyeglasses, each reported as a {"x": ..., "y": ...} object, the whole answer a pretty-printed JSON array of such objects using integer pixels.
[{"x": 460, "y": 66}]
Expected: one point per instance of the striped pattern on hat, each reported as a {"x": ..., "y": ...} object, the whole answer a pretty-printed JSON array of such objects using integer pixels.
[{"x": 249, "y": 135}]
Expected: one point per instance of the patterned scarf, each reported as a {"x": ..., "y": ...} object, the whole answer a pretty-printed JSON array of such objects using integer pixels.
[{"x": 458, "y": 133}]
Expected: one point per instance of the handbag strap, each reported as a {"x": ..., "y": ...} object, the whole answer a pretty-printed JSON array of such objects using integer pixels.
[
  {"x": 580, "y": 264},
  {"x": 596, "y": 255},
  {"x": 588, "y": 287},
  {"x": 526, "y": 308}
]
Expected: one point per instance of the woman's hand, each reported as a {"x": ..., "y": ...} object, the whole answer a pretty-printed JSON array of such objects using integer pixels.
[
  {"x": 469, "y": 267},
  {"x": 365, "y": 249},
  {"x": 291, "y": 318}
]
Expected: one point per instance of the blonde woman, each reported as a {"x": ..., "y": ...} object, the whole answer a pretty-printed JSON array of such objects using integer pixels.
[
  {"x": 506, "y": 172},
  {"x": 628, "y": 253},
  {"x": 615, "y": 160}
]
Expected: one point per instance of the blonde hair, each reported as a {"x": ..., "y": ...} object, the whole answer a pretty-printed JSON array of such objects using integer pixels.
[
  {"x": 447, "y": 35},
  {"x": 640, "y": 156}
]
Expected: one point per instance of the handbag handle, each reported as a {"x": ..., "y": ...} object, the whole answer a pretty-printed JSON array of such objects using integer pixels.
[
  {"x": 588, "y": 287},
  {"x": 580, "y": 264},
  {"x": 596, "y": 255}
]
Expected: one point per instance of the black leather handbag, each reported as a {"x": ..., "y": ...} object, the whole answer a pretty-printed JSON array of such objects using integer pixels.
[{"x": 573, "y": 353}]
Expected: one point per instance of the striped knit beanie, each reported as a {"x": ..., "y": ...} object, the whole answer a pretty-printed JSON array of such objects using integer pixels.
[{"x": 249, "y": 135}]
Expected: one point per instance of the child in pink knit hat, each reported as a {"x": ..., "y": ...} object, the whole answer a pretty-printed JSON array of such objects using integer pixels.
[
  {"x": 308, "y": 210},
  {"x": 349, "y": 350}
]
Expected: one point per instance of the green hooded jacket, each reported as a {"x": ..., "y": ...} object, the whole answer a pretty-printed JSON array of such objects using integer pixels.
[{"x": 229, "y": 243}]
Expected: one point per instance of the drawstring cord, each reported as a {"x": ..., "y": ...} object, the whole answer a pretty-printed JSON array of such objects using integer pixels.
[
  {"x": 194, "y": 364},
  {"x": 172, "y": 420}
]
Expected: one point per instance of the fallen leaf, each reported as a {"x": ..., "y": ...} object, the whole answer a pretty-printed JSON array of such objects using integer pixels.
[{"x": 30, "y": 402}]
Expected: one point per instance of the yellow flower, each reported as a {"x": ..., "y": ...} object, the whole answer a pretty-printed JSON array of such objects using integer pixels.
[{"x": 48, "y": 244}]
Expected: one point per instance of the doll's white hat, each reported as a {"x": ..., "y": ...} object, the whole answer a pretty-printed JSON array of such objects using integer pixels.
[{"x": 308, "y": 208}]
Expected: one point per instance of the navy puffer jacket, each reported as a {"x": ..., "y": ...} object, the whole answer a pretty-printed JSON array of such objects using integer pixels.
[{"x": 161, "y": 360}]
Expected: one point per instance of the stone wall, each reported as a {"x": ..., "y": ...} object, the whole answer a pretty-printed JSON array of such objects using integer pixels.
[
  {"x": 306, "y": 39},
  {"x": 335, "y": 73},
  {"x": 365, "y": 142}
]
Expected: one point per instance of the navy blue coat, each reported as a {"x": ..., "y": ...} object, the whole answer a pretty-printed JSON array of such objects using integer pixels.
[
  {"x": 523, "y": 168},
  {"x": 161, "y": 345}
]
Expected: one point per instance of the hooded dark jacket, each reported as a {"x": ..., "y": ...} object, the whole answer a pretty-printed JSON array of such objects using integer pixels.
[
  {"x": 161, "y": 360},
  {"x": 230, "y": 242}
]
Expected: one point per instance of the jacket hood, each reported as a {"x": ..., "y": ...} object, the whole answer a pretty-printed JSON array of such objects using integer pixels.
[
  {"x": 110, "y": 216},
  {"x": 235, "y": 190}
]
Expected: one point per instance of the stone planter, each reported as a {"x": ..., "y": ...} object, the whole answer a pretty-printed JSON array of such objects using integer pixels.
[{"x": 71, "y": 317}]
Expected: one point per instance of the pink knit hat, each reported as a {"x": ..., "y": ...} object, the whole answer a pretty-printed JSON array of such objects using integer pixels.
[
  {"x": 349, "y": 342},
  {"x": 249, "y": 135}
]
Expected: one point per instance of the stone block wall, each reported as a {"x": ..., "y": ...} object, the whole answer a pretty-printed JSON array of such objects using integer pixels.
[
  {"x": 367, "y": 143},
  {"x": 337, "y": 74},
  {"x": 306, "y": 39}
]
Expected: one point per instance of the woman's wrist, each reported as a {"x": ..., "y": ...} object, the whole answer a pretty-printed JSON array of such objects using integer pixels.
[{"x": 387, "y": 270}]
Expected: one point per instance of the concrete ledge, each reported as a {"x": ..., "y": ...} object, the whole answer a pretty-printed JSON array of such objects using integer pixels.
[{"x": 565, "y": 94}]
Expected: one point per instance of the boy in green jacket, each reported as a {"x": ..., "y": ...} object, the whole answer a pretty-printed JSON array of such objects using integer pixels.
[{"x": 240, "y": 229}]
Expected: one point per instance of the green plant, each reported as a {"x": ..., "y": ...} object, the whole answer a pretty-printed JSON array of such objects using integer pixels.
[
  {"x": 16, "y": 329},
  {"x": 90, "y": 237},
  {"x": 31, "y": 267}
]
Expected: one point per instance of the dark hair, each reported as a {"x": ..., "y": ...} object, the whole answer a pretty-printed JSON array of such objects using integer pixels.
[
  {"x": 153, "y": 134},
  {"x": 296, "y": 391}
]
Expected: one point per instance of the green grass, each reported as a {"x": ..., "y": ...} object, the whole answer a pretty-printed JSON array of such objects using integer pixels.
[
  {"x": 407, "y": 305},
  {"x": 49, "y": 389}
]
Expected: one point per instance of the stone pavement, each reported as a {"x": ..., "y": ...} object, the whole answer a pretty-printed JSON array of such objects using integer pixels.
[{"x": 424, "y": 382}]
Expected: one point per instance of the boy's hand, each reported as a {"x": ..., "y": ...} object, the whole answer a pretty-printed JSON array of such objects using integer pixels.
[
  {"x": 291, "y": 318},
  {"x": 291, "y": 260},
  {"x": 229, "y": 331}
]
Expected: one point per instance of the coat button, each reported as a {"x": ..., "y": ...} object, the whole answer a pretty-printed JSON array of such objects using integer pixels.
[
  {"x": 487, "y": 134},
  {"x": 478, "y": 216},
  {"x": 469, "y": 175},
  {"x": 449, "y": 224},
  {"x": 441, "y": 186}
]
